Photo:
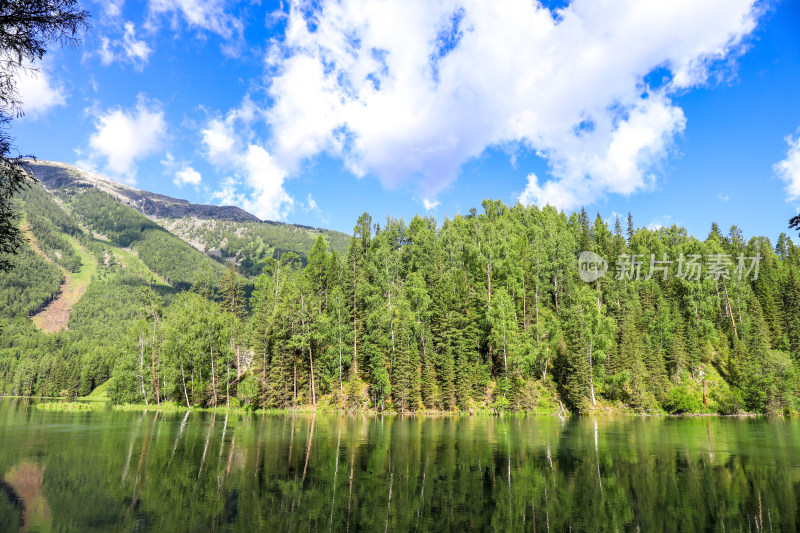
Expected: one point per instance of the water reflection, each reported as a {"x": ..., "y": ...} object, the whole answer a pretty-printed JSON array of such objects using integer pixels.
[
  {"x": 206, "y": 471},
  {"x": 23, "y": 487}
]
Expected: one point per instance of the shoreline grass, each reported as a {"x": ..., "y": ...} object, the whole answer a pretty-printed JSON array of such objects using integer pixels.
[
  {"x": 64, "y": 406},
  {"x": 327, "y": 410},
  {"x": 85, "y": 404}
]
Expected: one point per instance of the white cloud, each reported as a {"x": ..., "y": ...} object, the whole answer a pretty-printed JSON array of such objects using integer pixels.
[
  {"x": 636, "y": 145},
  {"x": 129, "y": 48},
  {"x": 229, "y": 143},
  {"x": 38, "y": 91},
  {"x": 126, "y": 135},
  {"x": 269, "y": 200},
  {"x": 659, "y": 223},
  {"x": 264, "y": 179},
  {"x": 225, "y": 137},
  {"x": 187, "y": 175},
  {"x": 429, "y": 205},
  {"x": 228, "y": 195},
  {"x": 789, "y": 169},
  {"x": 107, "y": 55},
  {"x": 220, "y": 142},
  {"x": 207, "y": 15},
  {"x": 412, "y": 89},
  {"x": 136, "y": 51},
  {"x": 724, "y": 197},
  {"x": 312, "y": 207},
  {"x": 112, "y": 8}
]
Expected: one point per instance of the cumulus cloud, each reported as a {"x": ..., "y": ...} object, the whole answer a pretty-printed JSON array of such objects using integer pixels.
[
  {"x": 187, "y": 175},
  {"x": 128, "y": 48},
  {"x": 229, "y": 145},
  {"x": 38, "y": 91},
  {"x": 429, "y": 205},
  {"x": 124, "y": 136},
  {"x": 409, "y": 90},
  {"x": 789, "y": 169},
  {"x": 267, "y": 198},
  {"x": 182, "y": 172},
  {"x": 220, "y": 142}
]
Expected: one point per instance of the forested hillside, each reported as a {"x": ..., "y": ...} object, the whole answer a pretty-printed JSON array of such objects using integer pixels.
[
  {"x": 129, "y": 261},
  {"x": 488, "y": 312},
  {"x": 485, "y": 311},
  {"x": 250, "y": 243}
]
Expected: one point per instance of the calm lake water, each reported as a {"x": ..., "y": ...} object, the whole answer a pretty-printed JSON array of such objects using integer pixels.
[{"x": 128, "y": 471}]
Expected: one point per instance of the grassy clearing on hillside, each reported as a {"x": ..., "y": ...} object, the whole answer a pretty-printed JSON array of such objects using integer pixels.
[
  {"x": 130, "y": 261},
  {"x": 55, "y": 316}
]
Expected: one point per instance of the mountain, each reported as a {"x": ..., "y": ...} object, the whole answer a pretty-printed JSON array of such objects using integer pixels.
[
  {"x": 224, "y": 232},
  {"x": 55, "y": 175},
  {"x": 101, "y": 257}
]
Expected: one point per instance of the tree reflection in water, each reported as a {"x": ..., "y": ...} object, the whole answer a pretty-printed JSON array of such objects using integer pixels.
[{"x": 202, "y": 471}]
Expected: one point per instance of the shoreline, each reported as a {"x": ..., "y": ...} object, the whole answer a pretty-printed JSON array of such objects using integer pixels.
[{"x": 177, "y": 408}]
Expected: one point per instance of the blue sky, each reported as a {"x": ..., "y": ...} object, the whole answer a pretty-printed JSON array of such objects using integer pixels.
[{"x": 681, "y": 112}]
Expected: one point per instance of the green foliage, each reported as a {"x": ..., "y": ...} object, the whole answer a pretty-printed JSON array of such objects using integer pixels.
[
  {"x": 251, "y": 244},
  {"x": 171, "y": 258},
  {"x": 29, "y": 285},
  {"x": 47, "y": 222},
  {"x": 166, "y": 255},
  {"x": 682, "y": 399},
  {"x": 485, "y": 311}
]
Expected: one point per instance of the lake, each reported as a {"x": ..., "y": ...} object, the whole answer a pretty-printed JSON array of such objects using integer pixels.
[{"x": 120, "y": 470}]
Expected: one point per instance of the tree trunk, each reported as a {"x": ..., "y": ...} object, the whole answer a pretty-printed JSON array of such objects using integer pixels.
[
  {"x": 729, "y": 309},
  {"x": 339, "y": 315},
  {"x": 141, "y": 365},
  {"x": 238, "y": 362},
  {"x": 355, "y": 340},
  {"x": 185, "y": 392},
  {"x": 155, "y": 381},
  {"x": 591, "y": 377},
  {"x": 555, "y": 291},
  {"x": 391, "y": 329},
  {"x": 313, "y": 391},
  {"x": 307, "y": 327},
  {"x": 211, "y": 357}
]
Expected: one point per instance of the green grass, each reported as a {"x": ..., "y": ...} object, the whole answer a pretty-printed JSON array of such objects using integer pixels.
[
  {"x": 168, "y": 407},
  {"x": 99, "y": 393},
  {"x": 88, "y": 268},
  {"x": 180, "y": 408},
  {"x": 64, "y": 406},
  {"x": 131, "y": 262}
]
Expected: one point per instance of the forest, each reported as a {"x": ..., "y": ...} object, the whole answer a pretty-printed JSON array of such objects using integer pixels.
[{"x": 485, "y": 312}]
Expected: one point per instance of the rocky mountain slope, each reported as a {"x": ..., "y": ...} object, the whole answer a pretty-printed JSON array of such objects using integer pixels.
[
  {"x": 225, "y": 232},
  {"x": 55, "y": 175}
]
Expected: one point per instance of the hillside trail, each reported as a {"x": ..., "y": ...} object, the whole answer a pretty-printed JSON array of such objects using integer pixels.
[{"x": 55, "y": 316}]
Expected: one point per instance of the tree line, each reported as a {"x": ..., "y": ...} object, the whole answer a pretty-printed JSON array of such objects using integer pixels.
[{"x": 485, "y": 311}]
